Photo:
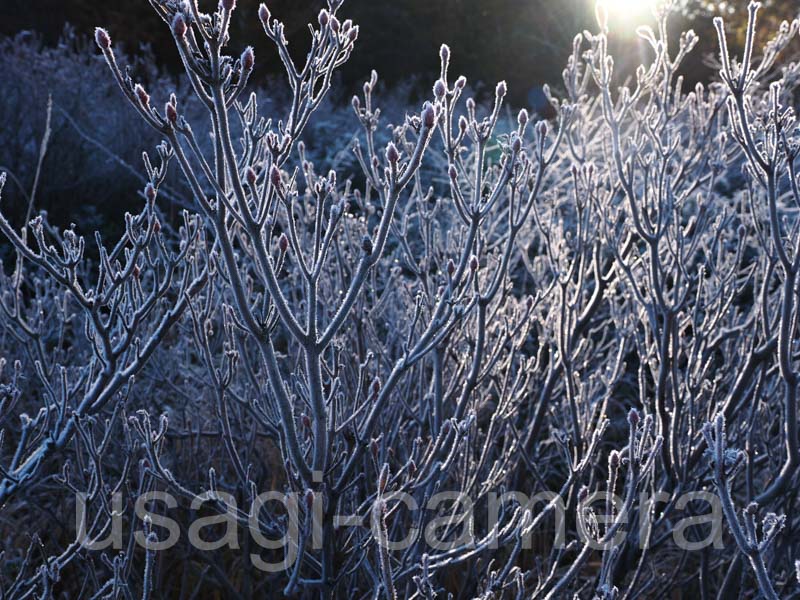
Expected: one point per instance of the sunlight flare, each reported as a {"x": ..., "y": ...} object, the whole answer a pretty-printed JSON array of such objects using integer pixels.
[{"x": 631, "y": 12}]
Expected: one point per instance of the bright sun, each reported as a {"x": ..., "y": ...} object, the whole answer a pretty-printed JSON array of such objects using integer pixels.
[{"x": 628, "y": 10}]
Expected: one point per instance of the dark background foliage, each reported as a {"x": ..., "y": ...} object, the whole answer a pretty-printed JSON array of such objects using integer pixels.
[
  {"x": 522, "y": 41},
  {"x": 525, "y": 42}
]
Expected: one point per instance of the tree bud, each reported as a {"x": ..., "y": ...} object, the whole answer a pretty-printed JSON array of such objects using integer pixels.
[
  {"x": 179, "y": 26},
  {"x": 444, "y": 54},
  {"x": 373, "y": 446},
  {"x": 428, "y": 115},
  {"x": 248, "y": 59},
  {"x": 150, "y": 192},
  {"x": 264, "y": 14},
  {"x": 392, "y": 155},
  {"x": 439, "y": 89},
  {"x": 142, "y": 95},
  {"x": 171, "y": 113},
  {"x": 275, "y": 176},
  {"x": 501, "y": 89},
  {"x": 102, "y": 38}
]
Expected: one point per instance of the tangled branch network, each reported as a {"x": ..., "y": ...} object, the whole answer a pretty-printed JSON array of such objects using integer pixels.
[{"x": 507, "y": 358}]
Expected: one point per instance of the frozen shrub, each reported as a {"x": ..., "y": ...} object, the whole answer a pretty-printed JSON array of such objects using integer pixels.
[{"x": 492, "y": 363}]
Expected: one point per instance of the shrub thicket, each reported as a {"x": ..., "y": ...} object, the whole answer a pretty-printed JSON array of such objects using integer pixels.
[{"x": 605, "y": 304}]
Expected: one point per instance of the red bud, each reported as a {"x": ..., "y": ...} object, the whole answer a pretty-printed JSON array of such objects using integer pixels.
[
  {"x": 248, "y": 59},
  {"x": 444, "y": 53},
  {"x": 179, "y": 26},
  {"x": 143, "y": 96},
  {"x": 264, "y": 14},
  {"x": 392, "y": 155},
  {"x": 102, "y": 38},
  {"x": 171, "y": 112},
  {"x": 150, "y": 192},
  {"x": 428, "y": 115},
  {"x": 275, "y": 176},
  {"x": 501, "y": 89}
]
